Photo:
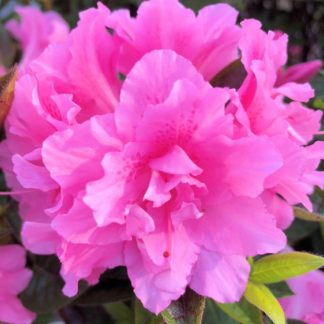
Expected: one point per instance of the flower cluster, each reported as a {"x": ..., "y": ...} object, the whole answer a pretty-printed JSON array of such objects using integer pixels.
[{"x": 132, "y": 152}]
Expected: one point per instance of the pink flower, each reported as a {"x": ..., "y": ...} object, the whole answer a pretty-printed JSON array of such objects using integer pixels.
[
  {"x": 115, "y": 42},
  {"x": 36, "y": 30},
  {"x": 307, "y": 302},
  {"x": 260, "y": 109},
  {"x": 14, "y": 278},
  {"x": 160, "y": 172},
  {"x": 164, "y": 184}
]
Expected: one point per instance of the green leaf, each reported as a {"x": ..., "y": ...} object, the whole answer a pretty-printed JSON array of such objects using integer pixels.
[
  {"x": 85, "y": 315},
  {"x": 47, "y": 318},
  {"x": 114, "y": 286},
  {"x": 143, "y": 316},
  {"x": 120, "y": 312},
  {"x": 261, "y": 297},
  {"x": 243, "y": 312},
  {"x": 279, "y": 267},
  {"x": 44, "y": 292},
  {"x": 304, "y": 214},
  {"x": 318, "y": 103},
  {"x": 280, "y": 289},
  {"x": 318, "y": 84},
  {"x": 213, "y": 314},
  {"x": 106, "y": 292}
]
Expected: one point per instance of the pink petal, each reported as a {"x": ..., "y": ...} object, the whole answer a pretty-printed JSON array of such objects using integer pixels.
[
  {"x": 12, "y": 311},
  {"x": 31, "y": 175},
  {"x": 278, "y": 207},
  {"x": 220, "y": 277},
  {"x": 39, "y": 238},
  {"x": 247, "y": 168},
  {"x": 219, "y": 38},
  {"x": 139, "y": 222},
  {"x": 157, "y": 285},
  {"x": 125, "y": 180},
  {"x": 143, "y": 88},
  {"x": 307, "y": 300},
  {"x": 95, "y": 63},
  {"x": 176, "y": 161},
  {"x": 36, "y": 30},
  {"x": 296, "y": 91},
  {"x": 7, "y": 261},
  {"x": 78, "y": 226},
  {"x": 300, "y": 73},
  {"x": 82, "y": 261},
  {"x": 239, "y": 226}
]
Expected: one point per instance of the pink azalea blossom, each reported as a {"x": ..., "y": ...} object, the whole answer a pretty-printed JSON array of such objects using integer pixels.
[
  {"x": 259, "y": 108},
  {"x": 307, "y": 302},
  {"x": 162, "y": 173},
  {"x": 14, "y": 278},
  {"x": 36, "y": 30},
  {"x": 115, "y": 42}
]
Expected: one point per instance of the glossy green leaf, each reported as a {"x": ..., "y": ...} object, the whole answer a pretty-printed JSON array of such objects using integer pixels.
[
  {"x": 243, "y": 312},
  {"x": 261, "y": 297},
  {"x": 279, "y": 267},
  {"x": 304, "y": 214},
  {"x": 44, "y": 292}
]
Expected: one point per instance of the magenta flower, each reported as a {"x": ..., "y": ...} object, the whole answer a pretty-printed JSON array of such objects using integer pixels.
[
  {"x": 260, "y": 109},
  {"x": 127, "y": 156},
  {"x": 307, "y": 302},
  {"x": 14, "y": 278}
]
